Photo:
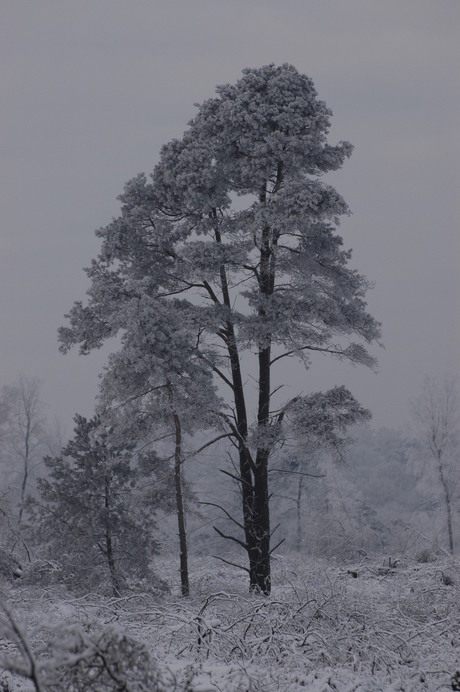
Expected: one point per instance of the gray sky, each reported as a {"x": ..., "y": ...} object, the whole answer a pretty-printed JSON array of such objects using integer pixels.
[{"x": 91, "y": 89}]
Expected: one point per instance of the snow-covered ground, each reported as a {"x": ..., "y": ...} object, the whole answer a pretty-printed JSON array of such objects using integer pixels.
[{"x": 376, "y": 625}]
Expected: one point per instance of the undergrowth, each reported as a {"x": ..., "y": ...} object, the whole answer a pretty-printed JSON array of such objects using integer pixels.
[{"x": 377, "y": 625}]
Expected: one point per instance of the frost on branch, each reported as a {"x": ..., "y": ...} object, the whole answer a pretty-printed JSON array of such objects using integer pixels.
[
  {"x": 371, "y": 625},
  {"x": 326, "y": 416}
]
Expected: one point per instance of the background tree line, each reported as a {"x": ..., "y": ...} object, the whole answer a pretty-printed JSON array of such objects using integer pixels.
[{"x": 97, "y": 513}]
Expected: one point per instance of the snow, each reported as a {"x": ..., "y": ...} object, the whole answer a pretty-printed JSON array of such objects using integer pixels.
[{"x": 394, "y": 626}]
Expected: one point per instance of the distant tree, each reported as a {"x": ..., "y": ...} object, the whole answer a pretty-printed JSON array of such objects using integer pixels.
[
  {"x": 8, "y": 522},
  {"x": 85, "y": 516},
  {"x": 23, "y": 434},
  {"x": 238, "y": 220},
  {"x": 3, "y": 418},
  {"x": 377, "y": 465},
  {"x": 315, "y": 424},
  {"x": 436, "y": 413}
]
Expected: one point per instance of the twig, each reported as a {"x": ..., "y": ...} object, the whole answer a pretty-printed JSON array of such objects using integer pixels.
[{"x": 33, "y": 674}]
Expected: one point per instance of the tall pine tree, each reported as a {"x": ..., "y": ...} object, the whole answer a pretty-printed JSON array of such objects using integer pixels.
[{"x": 238, "y": 222}]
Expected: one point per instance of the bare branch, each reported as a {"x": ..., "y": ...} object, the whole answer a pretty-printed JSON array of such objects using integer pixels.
[
  {"x": 212, "y": 295},
  {"x": 230, "y": 538},
  {"x": 298, "y": 473},
  {"x": 208, "y": 444},
  {"x": 213, "y": 504},
  {"x": 235, "y": 477},
  {"x": 277, "y": 545},
  {"x": 233, "y": 564}
]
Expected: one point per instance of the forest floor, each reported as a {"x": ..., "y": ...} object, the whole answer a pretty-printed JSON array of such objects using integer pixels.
[{"x": 375, "y": 625}]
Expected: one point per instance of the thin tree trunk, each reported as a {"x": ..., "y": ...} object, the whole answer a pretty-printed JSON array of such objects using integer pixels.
[
  {"x": 111, "y": 563},
  {"x": 23, "y": 491},
  {"x": 447, "y": 505},
  {"x": 260, "y": 555},
  {"x": 298, "y": 507},
  {"x": 109, "y": 544},
  {"x": 247, "y": 469},
  {"x": 246, "y": 463},
  {"x": 26, "y": 469},
  {"x": 183, "y": 556},
  {"x": 260, "y": 564},
  {"x": 261, "y": 578}
]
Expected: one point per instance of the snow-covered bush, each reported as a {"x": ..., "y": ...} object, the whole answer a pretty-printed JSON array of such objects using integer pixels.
[{"x": 100, "y": 660}]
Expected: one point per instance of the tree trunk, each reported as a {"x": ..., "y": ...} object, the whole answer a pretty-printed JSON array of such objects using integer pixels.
[
  {"x": 183, "y": 556},
  {"x": 23, "y": 490},
  {"x": 260, "y": 577},
  {"x": 26, "y": 467},
  {"x": 247, "y": 467},
  {"x": 111, "y": 563},
  {"x": 447, "y": 505},
  {"x": 260, "y": 549},
  {"x": 109, "y": 544},
  {"x": 245, "y": 459},
  {"x": 298, "y": 507},
  {"x": 254, "y": 475}
]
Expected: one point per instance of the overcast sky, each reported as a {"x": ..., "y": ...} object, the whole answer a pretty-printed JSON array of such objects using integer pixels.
[{"x": 91, "y": 89}]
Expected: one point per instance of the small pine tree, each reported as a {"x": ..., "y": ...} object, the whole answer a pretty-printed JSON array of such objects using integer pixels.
[{"x": 85, "y": 516}]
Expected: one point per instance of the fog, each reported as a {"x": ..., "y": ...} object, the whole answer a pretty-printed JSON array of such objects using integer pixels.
[{"x": 90, "y": 92}]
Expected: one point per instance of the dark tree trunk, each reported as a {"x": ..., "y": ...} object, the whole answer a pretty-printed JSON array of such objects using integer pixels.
[
  {"x": 260, "y": 549},
  {"x": 260, "y": 580},
  {"x": 447, "y": 503},
  {"x": 260, "y": 557},
  {"x": 299, "y": 513},
  {"x": 109, "y": 544},
  {"x": 23, "y": 490},
  {"x": 254, "y": 485},
  {"x": 183, "y": 556},
  {"x": 247, "y": 468},
  {"x": 26, "y": 469},
  {"x": 254, "y": 474},
  {"x": 111, "y": 563}
]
